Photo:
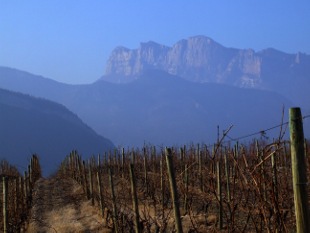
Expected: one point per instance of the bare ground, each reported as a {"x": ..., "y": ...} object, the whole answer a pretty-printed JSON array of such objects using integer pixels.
[{"x": 59, "y": 205}]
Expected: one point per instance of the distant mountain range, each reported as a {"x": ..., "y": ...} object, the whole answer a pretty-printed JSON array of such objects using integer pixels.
[
  {"x": 180, "y": 94},
  {"x": 201, "y": 59},
  {"x": 158, "y": 108},
  {"x": 31, "y": 125}
]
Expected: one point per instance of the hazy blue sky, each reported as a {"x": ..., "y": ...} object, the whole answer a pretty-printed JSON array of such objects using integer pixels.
[{"x": 70, "y": 40}]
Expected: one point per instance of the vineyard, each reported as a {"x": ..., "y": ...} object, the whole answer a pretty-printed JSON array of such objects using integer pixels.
[
  {"x": 225, "y": 187},
  {"x": 17, "y": 194}
]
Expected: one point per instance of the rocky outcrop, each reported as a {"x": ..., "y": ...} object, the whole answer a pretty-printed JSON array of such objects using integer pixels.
[
  {"x": 128, "y": 63},
  {"x": 201, "y": 59}
]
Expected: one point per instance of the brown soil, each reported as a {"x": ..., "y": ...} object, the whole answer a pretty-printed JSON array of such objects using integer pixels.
[{"x": 59, "y": 205}]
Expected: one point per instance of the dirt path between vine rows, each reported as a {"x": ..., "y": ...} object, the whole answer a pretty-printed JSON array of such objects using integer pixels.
[{"x": 59, "y": 205}]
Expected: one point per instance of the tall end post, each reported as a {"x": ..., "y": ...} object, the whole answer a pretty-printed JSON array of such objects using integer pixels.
[{"x": 299, "y": 168}]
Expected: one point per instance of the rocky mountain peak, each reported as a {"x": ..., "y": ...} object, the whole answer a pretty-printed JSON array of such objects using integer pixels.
[
  {"x": 201, "y": 59},
  {"x": 201, "y": 41},
  {"x": 186, "y": 56}
]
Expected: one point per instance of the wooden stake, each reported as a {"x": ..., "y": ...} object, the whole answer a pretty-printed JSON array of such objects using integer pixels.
[
  {"x": 227, "y": 177},
  {"x": 162, "y": 184},
  {"x": 5, "y": 203},
  {"x": 200, "y": 170},
  {"x": 123, "y": 162},
  {"x": 219, "y": 193},
  {"x": 174, "y": 193},
  {"x": 146, "y": 182},
  {"x": 134, "y": 197},
  {"x": 186, "y": 179},
  {"x": 91, "y": 187},
  {"x": 85, "y": 181},
  {"x": 115, "y": 218},
  {"x": 299, "y": 171},
  {"x": 99, "y": 187}
]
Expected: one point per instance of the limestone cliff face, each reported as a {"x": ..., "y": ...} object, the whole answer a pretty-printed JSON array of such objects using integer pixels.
[
  {"x": 201, "y": 59},
  {"x": 127, "y": 63},
  {"x": 120, "y": 61}
]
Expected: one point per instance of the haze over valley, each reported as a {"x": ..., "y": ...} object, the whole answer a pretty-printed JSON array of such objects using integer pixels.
[
  {"x": 99, "y": 76},
  {"x": 154, "y": 116},
  {"x": 173, "y": 96}
]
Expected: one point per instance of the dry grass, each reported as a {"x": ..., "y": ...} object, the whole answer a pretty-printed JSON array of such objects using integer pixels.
[{"x": 59, "y": 205}]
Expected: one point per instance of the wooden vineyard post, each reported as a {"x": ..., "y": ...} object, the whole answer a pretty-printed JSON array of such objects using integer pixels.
[
  {"x": 85, "y": 180},
  {"x": 21, "y": 193},
  {"x": 153, "y": 157},
  {"x": 200, "y": 169},
  {"x": 115, "y": 218},
  {"x": 123, "y": 162},
  {"x": 174, "y": 193},
  {"x": 299, "y": 171},
  {"x": 26, "y": 190},
  {"x": 146, "y": 182},
  {"x": 5, "y": 203},
  {"x": 134, "y": 197},
  {"x": 236, "y": 155},
  {"x": 133, "y": 157},
  {"x": 186, "y": 179},
  {"x": 79, "y": 170},
  {"x": 30, "y": 175},
  {"x": 219, "y": 193},
  {"x": 118, "y": 157},
  {"x": 162, "y": 184},
  {"x": 197, "y": 153},
  {"x": 182, "y": 160},
  {"x": 227, "y": 177},
  {"x": 91, "y": 187},
  {"x": 29, "y": 179},
  {"x": 16, "y": 195},
  {"x": 99, "y": 187}
]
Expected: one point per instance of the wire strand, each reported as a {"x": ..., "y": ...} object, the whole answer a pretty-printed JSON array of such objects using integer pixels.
[{"x": 261, "y": 132}]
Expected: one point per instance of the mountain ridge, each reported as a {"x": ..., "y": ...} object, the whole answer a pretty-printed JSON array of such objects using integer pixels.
[
  {"x": 160, "y": 108},
  {"x": 31, "y": 125},
  {"x": 208, "y": 85},
  {"x": 198, "y": 58},
  {"x": 201, "y": 59}
]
